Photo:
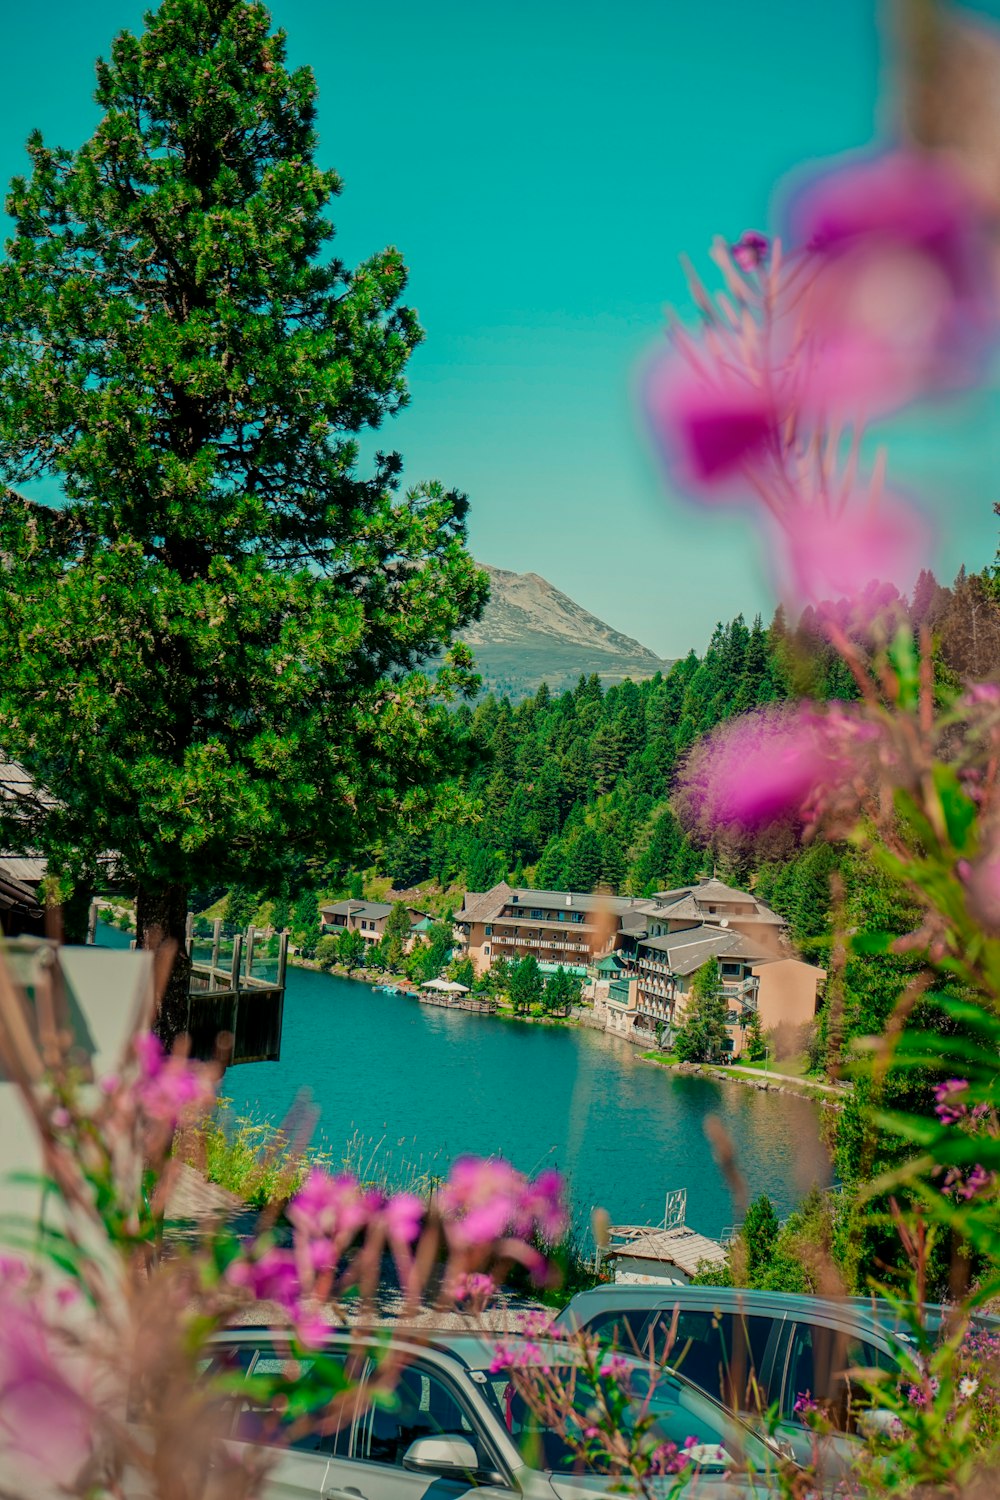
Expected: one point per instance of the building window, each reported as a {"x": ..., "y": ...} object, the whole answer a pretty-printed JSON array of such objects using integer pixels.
[
  {"x": 536, "y": 915},
  {"x": 486, "y": 947},
  {"x": 488, "y": 930}
]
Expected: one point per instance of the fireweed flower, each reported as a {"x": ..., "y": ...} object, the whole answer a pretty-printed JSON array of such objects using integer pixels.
[
  {"x": 170, "y": 1089},
  {"x": 46, "y": 1423},
  {"x": 271, "y": 1277},
  {"x": 900, "y": 251},
  {"x": 751, "y": 250},
  {"x": 330, "y": 1208},
  {"x": 950, "y": 1107},
  {"x": 769, "y": 765},
  {"x": 827, "y": 553},
  {"x": 484, "y": 1199},
  {"x": 616, "y": 1367},
  {"x": 711, "y": 423},
  {"x": 473, "y": 1287}
]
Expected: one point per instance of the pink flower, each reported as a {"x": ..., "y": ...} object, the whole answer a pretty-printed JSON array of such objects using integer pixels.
[
  {"x": 544, "y": 1202},
  {"x": 765, "y": 766},
  {"x": 472, "y": 1286},
  {"x": 710, "y": 427},
  {"x": 179, "y": 1089},
  {"x": 169, "y": 1088},
  {"x": 750, "y": 250},
  {"x": 982, "y": 887},
  {"x": 481, "y": 1199},
  {"x": 273, "y": 1277},
  {"x": 330, "y": 1208},
  {"x": 402, "y": 1217},
  {"x": 485, "y": 1199},
  {"x": 901, "y": 249},
  {"x": 838, "y": 552},
  {"x": 950, "y": 1106},
  {"x": 46, "y": 1424},
  {"x": 616, "y": 1367},
  {"x": 149, "y": 1053}
]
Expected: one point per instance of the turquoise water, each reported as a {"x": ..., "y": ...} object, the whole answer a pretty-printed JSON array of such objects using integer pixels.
[{"x": 422, "y": 1085}]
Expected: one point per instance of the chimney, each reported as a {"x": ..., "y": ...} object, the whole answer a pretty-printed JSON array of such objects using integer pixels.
[
  {"x": 569, "y": 900},
  {"x": 704, "y": 879}
]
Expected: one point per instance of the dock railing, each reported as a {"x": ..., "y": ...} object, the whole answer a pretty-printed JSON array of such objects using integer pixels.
[
  {"x": 226, "y": 995},
  {"x": 234, "y": 990}
]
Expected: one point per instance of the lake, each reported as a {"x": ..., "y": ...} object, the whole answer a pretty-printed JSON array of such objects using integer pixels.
[{"x": 422, "y": 1085}]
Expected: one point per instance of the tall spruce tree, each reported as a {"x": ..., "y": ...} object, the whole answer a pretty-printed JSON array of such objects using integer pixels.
[{"x": 209, "y": 646}]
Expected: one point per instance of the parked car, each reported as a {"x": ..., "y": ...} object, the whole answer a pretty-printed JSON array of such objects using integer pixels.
[
  {"x": 754, "y": 1350},
  {"x": 453, "y": 1426}
]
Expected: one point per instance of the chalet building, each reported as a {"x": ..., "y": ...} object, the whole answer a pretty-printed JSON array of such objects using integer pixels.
[
  {"x": 368, "y": 918},
  {"x": 643, "y": 952},
  {"x": 649, "y": 998},
  {"x": 556, "y": 927}
]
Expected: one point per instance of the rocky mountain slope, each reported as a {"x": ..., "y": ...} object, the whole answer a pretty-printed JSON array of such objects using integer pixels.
[{"x": 532, "y": 633}]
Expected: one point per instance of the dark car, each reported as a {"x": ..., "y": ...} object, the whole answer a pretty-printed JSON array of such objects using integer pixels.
[{"x": 757, "y": 1350}]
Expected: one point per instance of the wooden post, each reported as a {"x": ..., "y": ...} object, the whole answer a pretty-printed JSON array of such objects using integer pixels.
[
  {"x": 216, "y": 939},
  {"x": 282, "y": 959},
  {"x": 92, "y": 923},
  {"x": 251, "y": 934},
  {"x": 237, "y": 956},
  {"x": 189, "y": 932}
]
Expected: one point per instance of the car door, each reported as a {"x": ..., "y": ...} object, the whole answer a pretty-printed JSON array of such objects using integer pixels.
[
  {"x": 818, "y": 1360},
  {"x": 730, "y": 1354},
  {"x": 300, "y": 1460},
  {"x": 423, "y": 1403}
]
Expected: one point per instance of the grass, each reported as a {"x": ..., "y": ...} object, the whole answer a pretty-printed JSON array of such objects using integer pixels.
[
  {"x": 795, "y": 1066},
  {"x": 662, "y": 1057},
  {"x": 261, "y": 1163}
]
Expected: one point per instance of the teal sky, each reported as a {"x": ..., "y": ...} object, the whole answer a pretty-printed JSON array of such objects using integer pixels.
[{"x": 542, "y": 166}]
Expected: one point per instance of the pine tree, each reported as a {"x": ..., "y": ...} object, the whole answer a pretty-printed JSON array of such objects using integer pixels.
[
  {"x": 703, "y": 1036},
  {"x": 224, "y": 616}
]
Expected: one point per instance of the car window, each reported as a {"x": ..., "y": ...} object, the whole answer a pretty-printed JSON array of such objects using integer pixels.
[
  {"x": 326, "y": 1431},
  {"x": 725, "y": 1354},
  {"x": 420, "y": 1405},
  {"x": 819, "y": 1359},
  {"x": 681, "y": 1414}
]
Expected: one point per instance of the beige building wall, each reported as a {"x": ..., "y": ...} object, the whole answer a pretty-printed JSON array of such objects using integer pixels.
[{"x": 788, "y": 992}]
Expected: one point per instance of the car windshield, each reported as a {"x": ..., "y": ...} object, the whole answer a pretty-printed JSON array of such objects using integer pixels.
[{"x": 682, "y": 1416}]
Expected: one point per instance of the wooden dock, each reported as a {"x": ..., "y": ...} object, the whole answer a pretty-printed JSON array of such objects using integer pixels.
[
  {"x": 227, "y": 999},
  {"x": 231, "y": 998},
  {"x": 462, "y": 1002}
]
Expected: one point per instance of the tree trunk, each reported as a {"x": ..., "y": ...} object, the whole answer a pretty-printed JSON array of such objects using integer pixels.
[{"x": 161, "y": 917}]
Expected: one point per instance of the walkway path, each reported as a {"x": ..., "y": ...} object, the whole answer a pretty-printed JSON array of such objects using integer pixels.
[{"x": 805, "y": 1082}]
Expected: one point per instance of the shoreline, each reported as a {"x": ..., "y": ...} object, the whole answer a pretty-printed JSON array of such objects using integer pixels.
[{"x": 820, "y": 1093}]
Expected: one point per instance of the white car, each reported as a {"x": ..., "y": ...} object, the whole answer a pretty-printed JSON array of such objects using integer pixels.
[{"x": 451, "y": 1427}]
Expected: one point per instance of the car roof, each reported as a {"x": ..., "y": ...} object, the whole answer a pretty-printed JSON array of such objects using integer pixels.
[
  {"x": 468, "y": 1349},
  {"x": 872, "y": 1314}
]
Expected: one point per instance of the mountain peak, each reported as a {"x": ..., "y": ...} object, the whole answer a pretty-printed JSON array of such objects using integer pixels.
[{"x": 532, "y": 632}]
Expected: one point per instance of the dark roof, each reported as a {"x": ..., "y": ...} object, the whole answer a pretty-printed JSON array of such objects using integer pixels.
[
  {"x": 367, "y": 909},
  {"x": 482, "y": 906},
  {"x": 686, "y": 951}
]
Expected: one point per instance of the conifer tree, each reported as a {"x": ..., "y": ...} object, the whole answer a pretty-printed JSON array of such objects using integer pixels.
[{"x": 208, "y": 652}]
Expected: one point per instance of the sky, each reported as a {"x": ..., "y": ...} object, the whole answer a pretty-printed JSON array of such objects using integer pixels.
[{"x": 542, "y": 166}]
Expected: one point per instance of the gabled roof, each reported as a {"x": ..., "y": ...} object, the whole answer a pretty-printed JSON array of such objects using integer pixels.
[
  {"x": 366, "y": 909},
  {"x": 685, "y": 951},
  {"x": 483, "y": 906}
]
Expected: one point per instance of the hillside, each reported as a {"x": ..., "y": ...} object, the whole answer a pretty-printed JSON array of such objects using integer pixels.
[{"x": 532, "y": 633}]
